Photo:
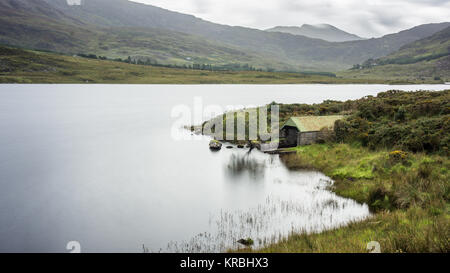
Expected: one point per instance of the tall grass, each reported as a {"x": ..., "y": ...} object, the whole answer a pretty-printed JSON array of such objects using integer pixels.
[{"x": 408, "y": 195}]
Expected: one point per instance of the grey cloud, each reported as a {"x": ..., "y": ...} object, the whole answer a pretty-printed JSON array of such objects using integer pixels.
[
  {"x": 387, "y": 18},
  {"x": 201, "y": 6},
  {"x": 366, "y": 18}
]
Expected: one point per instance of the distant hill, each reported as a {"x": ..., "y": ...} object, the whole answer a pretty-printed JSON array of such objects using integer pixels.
[
  {"x": 427, "y": 49},
  {"x": 121, "y": 28},
  {"x": 422, "y": 59},
  {"x": 323, "y": 31}
]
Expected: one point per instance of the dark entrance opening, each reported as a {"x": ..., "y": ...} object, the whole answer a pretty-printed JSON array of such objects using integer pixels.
[{"x": 289, "y": 136}]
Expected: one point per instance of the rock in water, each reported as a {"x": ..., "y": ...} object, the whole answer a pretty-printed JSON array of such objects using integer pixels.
[
  {"x": 215, "y": 145},
  {"x": 246, "y": 242}
]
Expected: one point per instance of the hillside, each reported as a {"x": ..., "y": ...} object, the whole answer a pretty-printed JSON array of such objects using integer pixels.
[
  {"x": 423, "y": 59},
  {"x": 39, "y": 25},
  {"x": 430, "y": 48},
  {"x": 26, "y": 66},
  {"x": 324, "y": 31},
  {"x": 120, "y": 28}
]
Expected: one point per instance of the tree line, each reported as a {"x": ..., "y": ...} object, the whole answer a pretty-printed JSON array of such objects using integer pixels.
[{"x": 194, "y": 66}]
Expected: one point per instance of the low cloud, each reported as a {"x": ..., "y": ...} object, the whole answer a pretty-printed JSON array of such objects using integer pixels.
[
  {"x": 73, "y": 2},
  {"x": 367, "y": 18}
]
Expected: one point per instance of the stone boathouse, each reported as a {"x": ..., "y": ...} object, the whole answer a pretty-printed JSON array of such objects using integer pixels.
[{"x": 305, "y": 130}]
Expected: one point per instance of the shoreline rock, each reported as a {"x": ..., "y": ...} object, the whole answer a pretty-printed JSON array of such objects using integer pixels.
[{"x": 215, "y": 145}]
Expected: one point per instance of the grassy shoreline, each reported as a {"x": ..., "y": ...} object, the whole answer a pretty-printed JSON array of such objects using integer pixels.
[
  {"x": 390, "y": 152},
  {"x": 409, "y": 215}
]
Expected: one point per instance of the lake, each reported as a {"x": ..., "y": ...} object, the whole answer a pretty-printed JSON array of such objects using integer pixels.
[{"x": 98, "y": 164}]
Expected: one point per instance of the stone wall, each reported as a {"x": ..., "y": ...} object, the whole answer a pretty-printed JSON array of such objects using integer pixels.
[{"x": 307, "y": 138}]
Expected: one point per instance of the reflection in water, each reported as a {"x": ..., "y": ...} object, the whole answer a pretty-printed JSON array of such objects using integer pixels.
[
  {"x": 240, "y": 164},
  {"x": 310, "y": 208}
]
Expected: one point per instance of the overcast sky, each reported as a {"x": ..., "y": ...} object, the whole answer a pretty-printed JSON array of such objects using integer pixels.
[{"x": 367, "y": 18}]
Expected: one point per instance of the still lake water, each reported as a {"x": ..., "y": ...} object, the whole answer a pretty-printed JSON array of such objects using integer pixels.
[{"x": 97, "y": 164}]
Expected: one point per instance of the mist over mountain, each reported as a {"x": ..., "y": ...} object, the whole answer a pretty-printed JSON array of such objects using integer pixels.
[
  {"x": 120, "y": 28},
  {"x": 323, "y": 31}
]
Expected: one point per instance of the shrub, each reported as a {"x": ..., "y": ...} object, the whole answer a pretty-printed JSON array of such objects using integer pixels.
[
  {"x": 398, "y": 157},
  {"x": 401, "y": 114},
  {"x": 381, "y": 199},
  {"x": 425, "y": 168},
  {"x": 326, "y": 135}
]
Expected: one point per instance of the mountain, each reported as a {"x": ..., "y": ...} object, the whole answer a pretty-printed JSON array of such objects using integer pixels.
[
  {"x": 322, "y": 31},
  {"x": 423, "y": 59},
  {"x": 433, "y": 47},
  {"x": 121, "y": 28},
  {"x": 55, "y": 26}
]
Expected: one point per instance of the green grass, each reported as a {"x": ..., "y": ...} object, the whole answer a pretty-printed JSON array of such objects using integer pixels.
[
  {"x": 409, "y": 197},
  {"x": 26, "y": 66},
  {"x": 414, "y": 230}
]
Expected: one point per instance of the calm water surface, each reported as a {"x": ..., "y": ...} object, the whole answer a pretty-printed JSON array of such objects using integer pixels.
[{"x": 97, "y": 164}]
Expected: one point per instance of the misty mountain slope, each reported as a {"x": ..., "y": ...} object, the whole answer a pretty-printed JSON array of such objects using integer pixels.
[
  {"x": 98, "y": 27},
  {"x": 423, "y": 59},
  {"x": 433, "y": 47},
  {"x": 392, "y": 42},
  {"x": 324, "y": 31},
  {"x": 37, "y": 24},
  {"x": 299, "y": 51},
  {"x": 123, "y": 13},
  {"x": 40, "y": 25}
]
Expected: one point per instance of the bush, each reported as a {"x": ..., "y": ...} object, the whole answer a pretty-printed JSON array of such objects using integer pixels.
[
  {"x": 398, "y": 157},
  {"x": 425, "y": 168},
  {"x": 381, "y": 199},
  {"x": 326, "y": 135},
  {"x": 401, "y": 114},
  {"x": 411, "y": 121}
]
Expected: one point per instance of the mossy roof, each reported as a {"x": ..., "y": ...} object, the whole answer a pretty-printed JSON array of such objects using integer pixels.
[{"x": 311, "y": 123}]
